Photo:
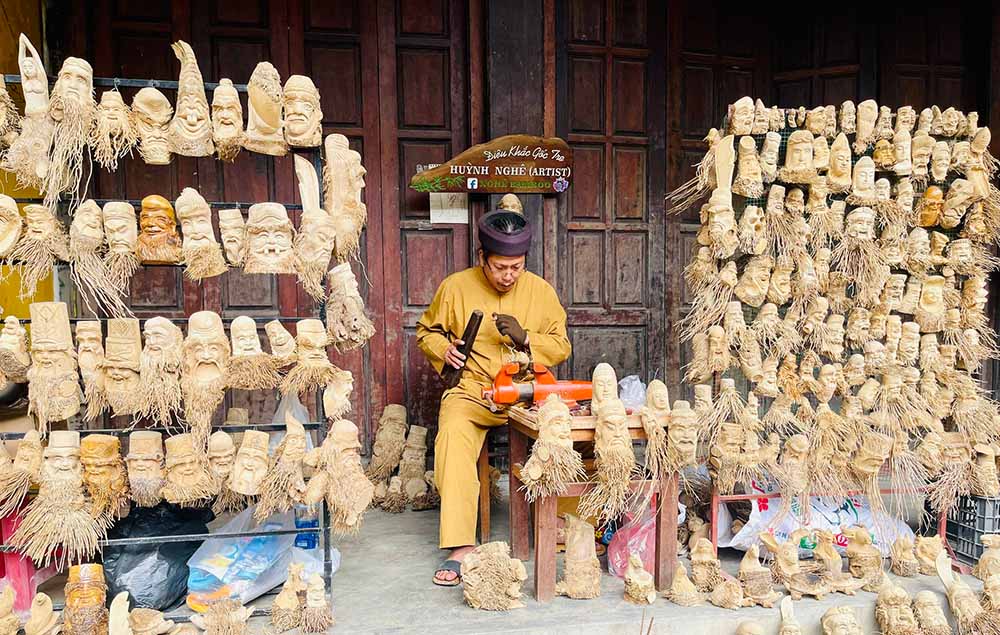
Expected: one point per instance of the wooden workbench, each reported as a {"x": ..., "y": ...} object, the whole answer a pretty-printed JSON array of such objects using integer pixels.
[{"x": 524, "y": 428}]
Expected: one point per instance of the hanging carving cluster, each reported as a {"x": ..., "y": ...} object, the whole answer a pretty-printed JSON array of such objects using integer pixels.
[{"x": 842, "y": 268}]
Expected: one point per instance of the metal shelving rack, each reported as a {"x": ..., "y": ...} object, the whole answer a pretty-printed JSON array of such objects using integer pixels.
[{"x": 181, "y": 614}]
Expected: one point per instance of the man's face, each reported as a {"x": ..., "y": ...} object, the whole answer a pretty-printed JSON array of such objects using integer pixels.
[
  {"x": 156, "y": 338},
  {"x": 208, "y": 357},
  {"x": 145, "y": 468},
  {"x": 318, "y": 239},
  {"x": 88, "y": 341},
  {"x": 300, "y": 113},
  {"x": 183, "y": 470},
  {"x": 227, "y": 115},
  {"x": 40, "y": 223},
  {"x": 222, "y": 463},
  {"x": 121, "y": 233},
  {"x": 250, "y": 468},
  {"x": 62, "y": 462},
  {"x": 800, "y": 156},
  {"x": 270, "y": 239},
  {"x": 245, "y": 340},
  {"x": 502, "y": 272},
  {"x": 312, "y": 347},
  {"x": 74, "y": 82},
  {"x": 87, "y": 222},
  {"x": 682, "y": 434},
  {"x": 192, "y": 114},
  {"x": 197, "y": 227}
]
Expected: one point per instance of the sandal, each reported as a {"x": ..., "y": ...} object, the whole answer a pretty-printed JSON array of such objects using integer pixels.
[{"x": 449, "y": 565}]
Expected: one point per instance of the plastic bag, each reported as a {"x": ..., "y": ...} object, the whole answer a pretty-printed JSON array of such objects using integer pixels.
[
  {"x": 155, "y": 575},
  {"x": 289, "y": 403},
  {"x": 637, "y": 535},
  {"x": 242, "y": 568},
  {"x": 827, "y": 514},
  {"x": 632, "y": 392}
]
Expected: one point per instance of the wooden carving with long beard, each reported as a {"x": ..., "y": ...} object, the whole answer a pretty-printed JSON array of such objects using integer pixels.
[
  {"x": 227, "y": 120},
  {"x": 88, "y": 270},
  {"x": 313, "y": 368},
  {"x": 53, "y": 384},
  {"x": 57, "y": 525},
  {"x": 86, "y": 594},
  {"x": 22, "y": 474},
  {"x": 553, "y": 463},
  {"x": 122, "y": 233},
  {"x": 187, "y": 481},
  {"x": 221, "y": 457},
  {"x": 388, "y": 447},
  {"x": 284, "y": 484},
  {"x": 343, "y": 180},
  {"x": 250, "y": 368},
  {"x": 492, "y": 579},
  {"x": 114, "y": 133},
  {"x": 582, "y": 572},
  {"x": 203, "y": 382},
  {"x": 105, "y": 478},
  {"x": 145, "y": 467},
  {"x": 43, "y": 241},
  {"x": 972, "y": 618},
  {"x": 73, "y": 111},
  {"x": 609, "y": 497},
  {"x": 339, "y": 477},
  {"x": 201, "y": 251},
  {"x": 160, "y": 370},
  {"x": 224, "y": 617},
  {"x": 264, "y": 122},
  {"x": 346, "y": 321},
  {"x": 190, "y": 131},
  {"x": 14, "y": 358},
  {"x": 119, "y": 371},
  {"x": 315, "y": 240}
]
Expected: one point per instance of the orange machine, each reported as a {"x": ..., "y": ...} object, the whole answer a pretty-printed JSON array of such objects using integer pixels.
[{"x": 507, "y": 390}]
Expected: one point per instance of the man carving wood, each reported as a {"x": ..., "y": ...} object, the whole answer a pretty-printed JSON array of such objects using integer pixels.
[{"x": 527, "y": 317}]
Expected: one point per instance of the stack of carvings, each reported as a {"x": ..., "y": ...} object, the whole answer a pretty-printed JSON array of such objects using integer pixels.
[
  {"x": 842, "y": 268},
  {"x": 402, "y": 447},
  {"x": 45, "y": 150}
]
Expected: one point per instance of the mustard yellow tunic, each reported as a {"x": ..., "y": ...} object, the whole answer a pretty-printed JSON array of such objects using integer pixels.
[{"x": 464, "y": 418}]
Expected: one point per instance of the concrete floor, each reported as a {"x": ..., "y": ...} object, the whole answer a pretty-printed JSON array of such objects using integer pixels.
[{"x": 384, "y": 586}]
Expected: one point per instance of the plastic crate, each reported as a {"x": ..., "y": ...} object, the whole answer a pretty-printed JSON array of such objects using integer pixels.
[{"x": 972, "y": 518}]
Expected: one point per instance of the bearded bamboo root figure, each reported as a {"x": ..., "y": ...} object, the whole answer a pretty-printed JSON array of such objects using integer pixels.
[
  {"x": 313, "y": 368},
  {"x": 14, "y": 358},
  {"x": 158, "y": 242},
  {"x": 105, "y": 478},
  {"x": 314, "y": 242},
  {"x": 284, "y": 484},
  {"x": 250, "y": 368},
  {"x": 145, "y": 467},
  {"x": 203, "y": 382},
  {"x": 190, "y": 131},
  {"x": 145, "y": 621},
  {"x": 346, "y": 322},
  {"x": 264, "y": 132},
  {"x": 893, "y": 611},
  {"x": 251, "y": 464},
  {"x": 491, "y": 579},
  {"x": 27, "y": 157},
  {"x": 706, "y": 570},
  {"x": 53, "y": 384},
  {"x": 201, "y": 251},
  {"x": 758, "y": 587},
  {"x": 317, "y": 616},
  {"x": 682, "y": 591},
  {"x": 73, "y": 111},
  {"x": 227, "y": 121},
  {"x": 582, "y": 571},
  {"x": 159, "y": 370},
  {"x": 86, "y": 594},
  {"x": 120, "y": 369},
  {"x": 121, "y": 261},
  {"x": 86, "y": 241},
  {"x": 965, "y": 606},
  {"x": 904, "y": 562},
  {"x": 16, "y": 480},
  {"x": 339, "y": 477},
  {"x": 57, "y": 526},
  {"x": 43, "y": 242},
  {"x": 221, "y": 458},
  {"x": 224, "y": 617},
  {"x": 639, "y": 587},
  {"x": 343, "y": 180},
  {"x": 389, "y": 439},
  {"x": 114, "y": 133},
  {"x": 9, "y": 622},
  {"x": 553, "y": 463},
  {"x": 286, "y": 611},
  {"x": 609, "y": 498},
  {"x": 188, "y": 481}
]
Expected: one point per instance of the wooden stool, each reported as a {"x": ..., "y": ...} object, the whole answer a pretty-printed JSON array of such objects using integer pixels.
[{"x": 483, "y": 464}]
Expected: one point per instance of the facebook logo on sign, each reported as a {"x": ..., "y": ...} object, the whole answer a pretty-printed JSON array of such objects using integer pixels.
[{"x": 472, "y": 183}]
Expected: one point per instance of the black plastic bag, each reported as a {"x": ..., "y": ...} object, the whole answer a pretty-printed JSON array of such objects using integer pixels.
[{"x": 155, "y": 574}]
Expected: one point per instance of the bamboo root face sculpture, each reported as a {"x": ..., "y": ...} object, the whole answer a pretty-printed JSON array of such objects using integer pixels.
[
  {"x": 53, "y": 389},
  {"x": 57, "y": 526},
  {"x": 86, "y": 595},
  {"x": 264, "y": 123},
  {"x": 145, "y": 467},
  {"x": 840, "y": 620},
  {"x": 582, "y": 571},
  {"x": 121, "y": 366},
  {"x": 14, "y": 358},
  {"x": 269, "y": 234},
  {"x": 114, "y": 132},
  {"x": 227, "y": 120},
  {"x": 343, "y": 180},
  {"x": 187, "y": 481},
  {"x": 73, "y": 111},
  {"x": 491, "y": 579},
  {"x": 160, "y": 368},
  {"x": 613, "y": 446},
  {"x": 232, "y": 230},
  {"x": 250, "y": 368},
  {"x": 23, "y": 473},
  {"x": 346, "y": 322},
  {"x": 158, "y": 242},
  {"x": 303, "y": 116},
  {"x": 284, "y": 485},
  {"x": 281, "y": 342},
  {"x": 639, "y": 587},
  {"x": 153, "y": 112},
  {"x": 203, "y": 382},
  {"x": 105, "y": 477},
  {"x": 190, "y": 131},
  {"x": 121, "y": 260},
  {"x": 313, "y": 368},
  {"x": 390, "y": 436},
  {"x": 251, "y": 464},
  {"x": 341, "y": 479},
  {"x": 43, "y": 241},
  {"x": 202, "y": 253},
  {"x": 553, "y": 463},
  {"x": 989, "y": 563}
]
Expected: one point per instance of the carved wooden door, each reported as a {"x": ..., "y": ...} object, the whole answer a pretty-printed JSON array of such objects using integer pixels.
[{"x": 610, "y": 67}]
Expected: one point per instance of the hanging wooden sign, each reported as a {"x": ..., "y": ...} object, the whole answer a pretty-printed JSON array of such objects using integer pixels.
[{"x": 514, "y": 163}]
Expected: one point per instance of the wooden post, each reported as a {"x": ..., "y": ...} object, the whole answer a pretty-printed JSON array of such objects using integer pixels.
[
  {"x": 666, "y": 532},
  {"x": 519, "y": 508},
  {"x": 545, "y": 548}
]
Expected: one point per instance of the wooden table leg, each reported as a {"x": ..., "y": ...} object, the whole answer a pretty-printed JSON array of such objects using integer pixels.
[
  {"x": 519, "y": 508},
  {"x": 483, "y": 468},
  {"x": 545, "y": 548},
  {"x": 666, "y": 532},
  {"x": 713, "y": 527}
]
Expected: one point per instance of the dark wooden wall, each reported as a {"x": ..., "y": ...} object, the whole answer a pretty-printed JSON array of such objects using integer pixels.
[{"x": 632, "y": 85}]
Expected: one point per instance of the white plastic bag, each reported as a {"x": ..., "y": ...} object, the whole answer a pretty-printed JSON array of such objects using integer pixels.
[
  {"x": 826, "y": 514},
  {"x": 632, "y": 392},
  {"x": 248, "y": 567}
]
